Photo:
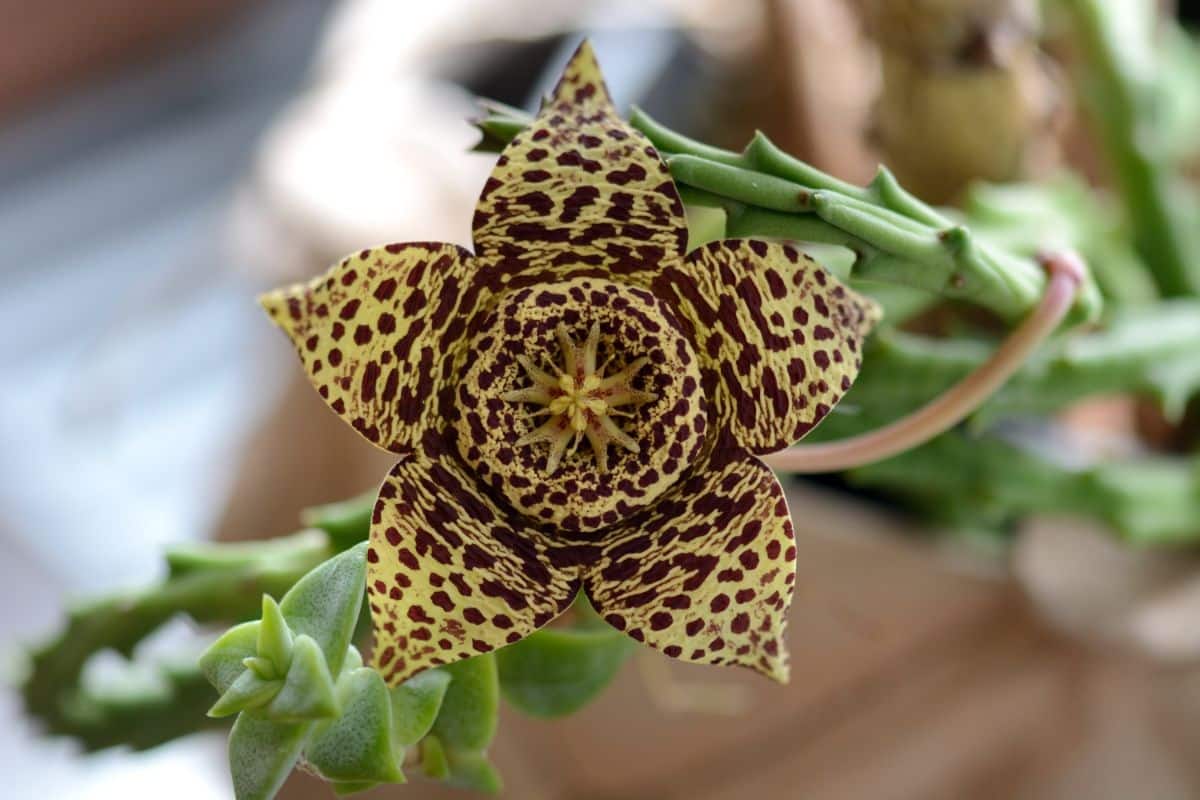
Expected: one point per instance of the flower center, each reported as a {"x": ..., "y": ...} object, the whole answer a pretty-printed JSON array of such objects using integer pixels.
[
  {"x": 579, "y": 402},
  {"x": 582, "y": 403}
]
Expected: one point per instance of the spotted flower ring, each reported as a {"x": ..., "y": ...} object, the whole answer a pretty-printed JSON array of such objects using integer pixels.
[{"x": 579, "y": 405}]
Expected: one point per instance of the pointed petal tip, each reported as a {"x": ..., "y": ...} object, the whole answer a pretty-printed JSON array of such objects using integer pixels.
[
  {"x": 281, "y": 305},
  {"x": 583, "y": 55},
  {"x": 270, "y": 302},
  {"x": 582, "y": 82},
  {"x": 779, "y": 669}
]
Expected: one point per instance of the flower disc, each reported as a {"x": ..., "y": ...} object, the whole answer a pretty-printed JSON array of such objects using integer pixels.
[{"x": 581, "y": 402}]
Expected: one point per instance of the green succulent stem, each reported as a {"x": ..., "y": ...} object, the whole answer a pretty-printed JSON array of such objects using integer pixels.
[
  {"x": 894, "y": 236},
  {"x": 227, "y": 583},
  {"x": 1148, "y": 351},
  {"x": 1122, "y": 90},
  {"x": 210, "y": 583},
  {"x": 975, "y": 483}
]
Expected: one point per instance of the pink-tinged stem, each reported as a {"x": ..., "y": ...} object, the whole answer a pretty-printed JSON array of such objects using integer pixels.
[{"x": 1066, "y": 274}]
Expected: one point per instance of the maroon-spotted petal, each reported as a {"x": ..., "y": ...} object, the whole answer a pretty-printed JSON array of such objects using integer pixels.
[
  {"x": 706, "y": 575},
  {"x": 380, "y": 334},
  {"x": 779, "y": 338},
  {"x": 451, "y": 573},
  {"x": 579, "y": 193}
]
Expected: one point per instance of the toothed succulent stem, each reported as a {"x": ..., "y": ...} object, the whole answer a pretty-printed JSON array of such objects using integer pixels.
[
  {"x": 895, "y": 237},
  {"x": 209, "y": 583}
]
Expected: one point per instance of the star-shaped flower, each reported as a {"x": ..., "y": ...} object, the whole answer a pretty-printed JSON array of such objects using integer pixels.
[{"x": 579, "y": 319}]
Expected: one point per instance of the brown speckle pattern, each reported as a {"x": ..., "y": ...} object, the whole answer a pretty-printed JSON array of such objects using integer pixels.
[
  {"x": 707, "y": 573},
  {"x": 579, "y": 192},
  {"x": 779, "y": 338},
  {"x": 379, "y": 335},
  {"x": 452, "y": 572},
  {"x": 671, "y": 428},
  {"x": 685, "y": 544}
]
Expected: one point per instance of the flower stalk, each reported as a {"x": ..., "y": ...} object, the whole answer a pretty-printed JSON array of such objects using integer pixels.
[{"x": 1067, "y": 274}]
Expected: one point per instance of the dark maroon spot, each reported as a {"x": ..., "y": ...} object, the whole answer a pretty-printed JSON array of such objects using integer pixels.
[{"x": 417, "y": 614}]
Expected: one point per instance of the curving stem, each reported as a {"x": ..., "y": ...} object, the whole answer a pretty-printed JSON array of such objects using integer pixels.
[{"x": 1067, "y": 273}]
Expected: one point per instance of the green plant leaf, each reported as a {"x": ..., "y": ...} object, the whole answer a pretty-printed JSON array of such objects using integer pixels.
[
  {"x": 472, "y": 770},
  {"x": 224, "y": 659},
  {"x": 308, "y": 690},
  {"x": 455, "y": 751},
  {"x": 324, "y": 604},
  {"x": 1175, "y": 383},
  {"x": 415, "y": 705},
  {"x": 433, "y": 758},
  {"x": 468, "y": 717},
  {"x": 262, "y": 753},
  {"x": 247, "y": 691},
  {"x": 274, "y": 637},
  {"x": 360, "y": 745},
  {"x": 263, "y": 668},
  {"x": 556, "y": 672},
  {"x": 353, "y": 659},
  {"x": 1062, "y": 211}
]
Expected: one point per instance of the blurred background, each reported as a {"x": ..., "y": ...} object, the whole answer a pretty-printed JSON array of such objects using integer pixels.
[{"x": 161, "y": 163}]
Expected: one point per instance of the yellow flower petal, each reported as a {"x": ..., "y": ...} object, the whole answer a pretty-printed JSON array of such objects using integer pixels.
[
  {"x": 706, "y": 574},
  {"x": 578, "y": 193},
  {"x": 379, "y": 335},
  {"x": 451, "y": 573},
  {"x": 779, "y": 338}
]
